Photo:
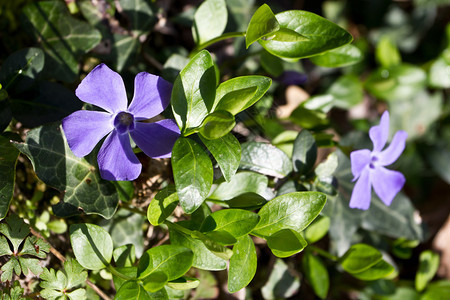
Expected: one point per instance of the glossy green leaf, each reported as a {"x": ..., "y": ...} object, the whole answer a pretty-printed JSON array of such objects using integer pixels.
[
  {"x": 192, "y": 172},
  {"x": 210, "y": 20},
  {"x": 317, "y": 229},
  {"x": 173, "y": 260},
  {"x": 92, "y": 246},
  {"x": 379, "y": 270},
  {"x": 20, "y": 69},
  {"x": 227, "y": 152},
  {"x": 140, "y": 13},
  {"x": 397, "y": 82},
  {"x": 304, "y": 154},
  {"x": 194, "y": 91},
  {"x": 262, "y": 23},
  {"x": 237, "y": 222},
  {"x": 439, "y": 290},
  {"x": 242, "y": 264},
  {"x": 249, "y": 201},
  {"x": 130, "y": 272},
  {"x": 239, "y": 93},
  {"x": 124, "y": 256},
  {"x": 184, "y": 283},
  {"x": 266, "y": 159},
  {"x": 240, "y": 183},
  {"x": 55, "y": 164},
  {"x": 8, "y": 160},
  {"x": 217, "y": 125},
  {"x": 64, "y": 38},
  {"x": 360, "y": 257},
  {"x": 203, "y": 258},
  {"x": 162, "y": 205},
  {"x": 428, "y": 266},
  {"x": 154, "y": 281},
  {"x": 316, "y": 273},
  {"x": 286, "y": 242},
  {"x": 347, "y": 91},
  {"x": 289, "y": 211},
  {"x": 309, "y": 118},
  {"x": 221, "y": 237},
  {"x": 321, "y": 34},
  {"x": 282, "y": 283},
  {"x": 217, "y": 248},
  {"x": 387, "y": 53},
  {"x": 131, "y": 290},
  {"x": 287, "y": 35},
  {"x": 346, "y": 55}
]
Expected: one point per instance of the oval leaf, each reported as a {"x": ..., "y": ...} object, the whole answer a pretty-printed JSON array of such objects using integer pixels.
[
  {"x": 92, "y": 246},
  {"x": 346, "y": 55},
  {"x": 217, "y": 124},
  {"x": 237, "y": 222},
  {"x": 162, "y": 205},
  {"x": 262, "y": 23},
  {"x": 289, "y": 211},
  {"x": 379, "y": 270},
  {"x": 242, "y": 264},
  {"x": 305, "y": 152},
  {"x": 210, "y": 20},
  {"x": 321, "y": 34},
  {"x": 360, "y": 257},
  {"x": 192, "y": 172},
  {"x": 286, "y": 242},
  {"x": 317, "y": 274},
  {"x": 428, "y": 266}
]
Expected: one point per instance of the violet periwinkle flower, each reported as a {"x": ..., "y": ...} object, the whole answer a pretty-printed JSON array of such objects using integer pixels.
[
  {"x": 368, "y": 167},
  {"x": 105, "y": 88}
]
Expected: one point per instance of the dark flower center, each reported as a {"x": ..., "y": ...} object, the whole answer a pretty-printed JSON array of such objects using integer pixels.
[
  {"x": 124, "y": 122},
  {"x": 374, "y": 159}
]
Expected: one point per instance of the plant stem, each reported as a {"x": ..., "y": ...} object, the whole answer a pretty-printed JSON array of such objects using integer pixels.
[
  {"x": 215, "y": 40},
  {"x": 323, "y": 253}
]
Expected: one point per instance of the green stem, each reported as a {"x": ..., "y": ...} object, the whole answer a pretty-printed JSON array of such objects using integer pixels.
[
  {"x": 118, "y": 274},
  {"x": 215, "y": 40},
  {"x": 323, "y": 253},
  {"x": 178, "y": 227}
]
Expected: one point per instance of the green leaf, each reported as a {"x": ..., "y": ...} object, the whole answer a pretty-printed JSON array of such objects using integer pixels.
[
  {"x": 184, "y": 283},
  {"x": 317, "y": 229},
  {"x": 326, "y": 168},
  {"x": 154, "y": 281},
  {"x": 130, "y": 272},
  {"x": 242, "y": 264},
  {"x": 141, "y": 15},
  {"x": 92, "y": 246},
  {"x": 360, "y": 257},
  {"x": 271, "y": 64},
  {"x": 217, "y": 125},
  {"x": 132, "y": 290},
  {"x": 210, "y": 20},
  {"x": 194, "y": 91},
  {"x": 287, "y": 35},
  {"x": 203, "y": 258},
  {"x": 8, "y": 268},
  {"x": 262, "y": 23},
  {"x": 227, "y": 152},
  {"x": 15, "y": 229},
  {"x": 266, "y": 159},
  {"x": 5, "y": 110},
  {"x": 347, "y": 91},
  {"x": 162, "y": 206},
  {"x": 438, "y": 76},
  {"x": 282, "y": 284},
  {"x": 387, "y": 53},
  {"x": 346, "y": 55},
  {"x": 20, "y": 69},
  {"x": 55, "y": 164},
  {"x": 237, "y": 222},
  {"x": 239, "y": 93},
  {"x": 8, "y": 160},
  {"x": 35, "y": 247},
  {"x": 316, "y": 273},
  {"x": 379, "y": 270},
  {"x": 309, "y": 118},
  {"x": 64, "y": 38},
  {"x": 396, "y": 82},
  {"x": 240, "y": 183},
  {"x": 428, "y": 266},
  {"x": 304, "y": 154},
  {"x": 173, "y": 260},
  {"x": 289, "y": 211},
  {"x": 124, "y": 256},
  {"x": 192, "y": 172},
  {"x": 321, "y": 35},
  {"x": 215, "y": 247},
  {"x": 286, "y": 242},
  {"x": 4, "y": 246},
  {"x": 439, "y": 290}
]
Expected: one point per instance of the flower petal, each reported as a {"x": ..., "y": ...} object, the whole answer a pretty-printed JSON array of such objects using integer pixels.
[
  {"x": 151, "y": 96},
  {"x": 359, "y": 160},
  {"x": 379, "y": 133},
  {"x": 104, "y": 88},
  {"x": 156, "y": 139},
  {"x": 387, "y": 183},
  {"x": 116, "y": 159},
  {"x": 361, "y": 194},
  {"x": 395, "y": 148},
  {"x": 84, "y": 129}
]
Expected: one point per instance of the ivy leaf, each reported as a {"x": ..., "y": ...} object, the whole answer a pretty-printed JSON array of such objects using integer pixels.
[
  {"x": 210, "y": 20},
  {"x": 346, "y": 55},
  {"x": 266, "y": 159},
  {"x": 227, "y": 152},
  {"x": 162, "y": 205},
  {"x": 8, "y": 160},
  {"x": 64, "y": 38},
  {"x": 262, "y": 23},
  {"x": 140, "y": 13},
  {"x": 289, "y": 211},
  {"x": 194, "y": 91},
  {"x": 55, "y": 164},
  {"x": 192, "y": 172},
  {"x": 242, "y": 264},
  {"x": 92, "y": 245},
  {"x": 321, "y": 35}
]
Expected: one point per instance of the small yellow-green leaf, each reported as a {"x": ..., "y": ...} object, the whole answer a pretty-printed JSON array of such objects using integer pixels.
[{"x": 262, "y": 23}]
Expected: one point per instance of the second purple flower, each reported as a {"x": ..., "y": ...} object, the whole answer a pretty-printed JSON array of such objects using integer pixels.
[{"x": 105, "y": 88}]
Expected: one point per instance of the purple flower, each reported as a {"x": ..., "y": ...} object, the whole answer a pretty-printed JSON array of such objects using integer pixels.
[
  {"x": 368, "y": 167},
  {"x": 84, "y": 129}
]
